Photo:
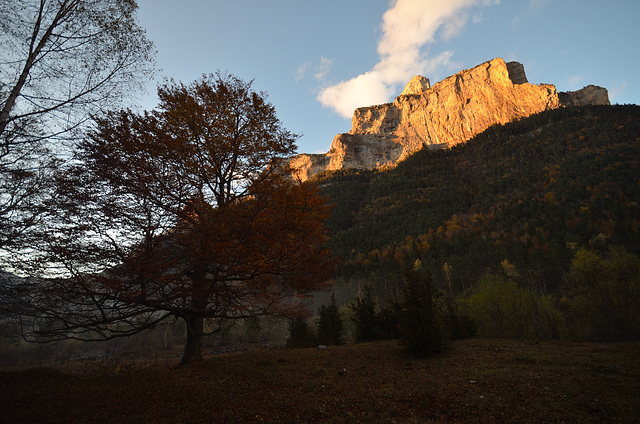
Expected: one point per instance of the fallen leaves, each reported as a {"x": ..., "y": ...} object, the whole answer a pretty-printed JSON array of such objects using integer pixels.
[{"x": 478, "y": 380}]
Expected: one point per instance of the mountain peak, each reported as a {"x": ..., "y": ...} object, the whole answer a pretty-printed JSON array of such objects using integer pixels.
[{"x": 417, "y": 85}]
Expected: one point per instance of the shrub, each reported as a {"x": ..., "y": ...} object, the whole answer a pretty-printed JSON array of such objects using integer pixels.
[
  {"x": 460, "y": 325},
  {"x": 253, "y": 329},
  {"x": 501, "y": 308},
  {"x": 388, "y": 320}
]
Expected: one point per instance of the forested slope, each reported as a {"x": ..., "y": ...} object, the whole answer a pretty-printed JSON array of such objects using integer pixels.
[{"x": 531, "y": 192}]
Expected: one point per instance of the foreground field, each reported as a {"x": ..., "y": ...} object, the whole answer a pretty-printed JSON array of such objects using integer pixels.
[{"x": 476, "y": 380}]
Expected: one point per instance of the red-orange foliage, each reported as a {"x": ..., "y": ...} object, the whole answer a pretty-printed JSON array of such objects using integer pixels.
[{"x": 184, "y": 212}]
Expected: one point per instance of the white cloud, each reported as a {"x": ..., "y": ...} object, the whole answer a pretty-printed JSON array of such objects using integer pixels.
[
  {"x": 323, "y": 69},
  {"x": 301, "y": 71},
  {"x": 408, "y": 26},
  {"x": 537, "y": 6},
  {"x": 454, "y": 26},
  {"x": 365, "y": 89}
]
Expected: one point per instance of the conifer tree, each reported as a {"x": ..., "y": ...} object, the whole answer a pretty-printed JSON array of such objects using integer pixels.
[
  {"x": 419, "y": 332},
  {"x": 365, "y": 316},
  {"x": 300, "y": 333},
  {"x": 330, "y": 326}
]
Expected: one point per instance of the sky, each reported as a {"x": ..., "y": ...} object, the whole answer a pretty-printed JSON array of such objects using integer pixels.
[{"x": 319, "y": 60}]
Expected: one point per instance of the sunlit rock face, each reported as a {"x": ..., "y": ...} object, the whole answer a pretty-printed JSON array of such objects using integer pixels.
[
  {"x": 450, "y": 112},
  {"x": 417, "y": 85}
]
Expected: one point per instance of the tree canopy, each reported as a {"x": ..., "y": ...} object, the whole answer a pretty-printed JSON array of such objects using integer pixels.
[
  {"x": 528, "y": 191},
  {"x": 183, "y": 212}
]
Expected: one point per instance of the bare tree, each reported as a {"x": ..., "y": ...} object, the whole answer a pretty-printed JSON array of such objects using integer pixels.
[
  {"x": 67, "y": 59},
  {"x": 60, "y": 62}
]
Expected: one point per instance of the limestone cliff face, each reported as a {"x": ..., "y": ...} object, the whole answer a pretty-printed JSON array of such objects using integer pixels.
[{"x": 450, "y": 112}]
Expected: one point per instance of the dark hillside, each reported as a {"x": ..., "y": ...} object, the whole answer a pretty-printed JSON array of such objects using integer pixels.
[{"x": 530, "y": 192}]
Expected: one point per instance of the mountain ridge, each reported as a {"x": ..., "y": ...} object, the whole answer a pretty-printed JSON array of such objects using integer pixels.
[{"x": 449, "y": 112}]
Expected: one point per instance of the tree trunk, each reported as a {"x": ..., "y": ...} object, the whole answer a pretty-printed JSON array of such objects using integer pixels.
[{"x": 193, "y": 346}]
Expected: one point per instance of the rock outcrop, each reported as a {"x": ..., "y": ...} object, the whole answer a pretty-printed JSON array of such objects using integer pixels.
[
  {"x": 516, "y": 73},
  {"x": 417, "y": 85},
  {"x": 450, "y": 112},
  {"x": 589, "y": 95}
]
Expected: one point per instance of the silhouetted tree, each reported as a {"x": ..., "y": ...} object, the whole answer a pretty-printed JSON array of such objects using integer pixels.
[
  {"x": 64, "y": 59},
  {"x": 179, "y": 213},
  {"x": 365, "y": 317},
  {"x": 330, "y": 326},
  {"x": 419, "y": 332},
  {"x": 300, "y": 333},
  {"x": 60, "y": 61}
]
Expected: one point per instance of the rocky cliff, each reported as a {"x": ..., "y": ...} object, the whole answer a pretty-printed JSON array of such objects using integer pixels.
[{"x": 449, "y": 112}]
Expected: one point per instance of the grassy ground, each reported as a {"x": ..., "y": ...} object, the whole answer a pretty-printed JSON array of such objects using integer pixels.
[{"x": 476, "y": 380}]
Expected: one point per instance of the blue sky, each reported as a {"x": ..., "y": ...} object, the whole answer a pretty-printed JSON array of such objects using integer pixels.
[{"x": 318, "y": 60}]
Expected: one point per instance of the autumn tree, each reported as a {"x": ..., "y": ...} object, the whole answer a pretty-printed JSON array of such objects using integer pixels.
[
  {"x": 180, "y": 213},
  {"x": 604, "y": 292},
  {"x": 60, "y": 61}
]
